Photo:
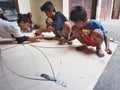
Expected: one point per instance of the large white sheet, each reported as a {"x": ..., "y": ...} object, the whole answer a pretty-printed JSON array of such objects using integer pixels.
[{"x": 79, "y": 69}]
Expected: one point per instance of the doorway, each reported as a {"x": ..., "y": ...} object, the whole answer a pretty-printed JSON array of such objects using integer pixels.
[
  {"x": 87, "y": 4},
  {"x": 116, "y": 9},
  {"x": 10, "y": 9}
]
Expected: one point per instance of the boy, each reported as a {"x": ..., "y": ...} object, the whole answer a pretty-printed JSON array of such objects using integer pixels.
[
  {"x": 13, "y": 29},
  {"x": 60, "y": 25},
  {"x": 88, "y": 32}
]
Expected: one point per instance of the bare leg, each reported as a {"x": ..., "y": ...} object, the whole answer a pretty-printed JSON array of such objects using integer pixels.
[
  {"x": 98, "y": 37},
  {"x": 67, "y": 31},
  {"x": 78, "y": 34},
  {"x": 49, "y": 23}
]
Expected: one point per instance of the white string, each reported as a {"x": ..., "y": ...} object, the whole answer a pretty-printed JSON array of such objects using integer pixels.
[
  {"x": 45, "y": 76},
  {"x": 46, "y": 59},
  {"x": 1, "y": 58},
  {"x": 9, "y": 47}
]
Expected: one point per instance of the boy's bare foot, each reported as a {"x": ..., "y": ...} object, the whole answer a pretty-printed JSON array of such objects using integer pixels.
[
  {"x": 79, "y": 48},
  {"x": 99, "y": 52},
  {"x": 62, "y": 41},
  {"x": 57, "y": 38},
  {"x": 108, "y": 51},
  {"x": 69, "y": 42}
]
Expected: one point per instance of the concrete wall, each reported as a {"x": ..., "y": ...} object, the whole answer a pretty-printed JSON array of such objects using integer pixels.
[{"x": 24, "y": 6}]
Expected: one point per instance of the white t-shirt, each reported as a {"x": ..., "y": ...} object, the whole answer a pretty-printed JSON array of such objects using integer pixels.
[{"x": 9, "y": 28}]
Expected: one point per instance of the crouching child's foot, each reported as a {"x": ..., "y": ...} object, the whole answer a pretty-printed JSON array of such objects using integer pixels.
[
  {"x": 80, "y": 48},
  {"x": 99, "y": 52},
  {"x": 69, "y": 42},
  {"x": 64, "y": 41}
]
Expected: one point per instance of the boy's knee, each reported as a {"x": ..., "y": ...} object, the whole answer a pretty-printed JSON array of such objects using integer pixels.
[
  {"x": 98, "y": 36},
  {"x": 67, "y": 24},
  {"x": 74, "y": 27},
  {"x": 97, "y": 33},
  {"x": 67, "y": 27},
  {"x": 49, "y": 21}
]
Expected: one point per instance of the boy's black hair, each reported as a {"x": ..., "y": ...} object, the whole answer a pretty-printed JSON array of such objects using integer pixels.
[
  {"x": 25, "y": 18},
  {"x": 78, "y": 14},
  {"x": 48, "y": 6}
]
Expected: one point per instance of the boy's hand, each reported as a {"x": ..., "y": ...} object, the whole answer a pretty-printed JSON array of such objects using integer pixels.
[
  {"x": 38, "y": 32},
  {"x": 63, "y": 41},
  {"x": 39, "y": 37},
  {"x": 35, "y": 38},
  {"x": 109, "y": 51}
]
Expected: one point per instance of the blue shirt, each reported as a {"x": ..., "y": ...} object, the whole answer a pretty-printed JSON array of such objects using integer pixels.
[{"x": 94, "y": 24}]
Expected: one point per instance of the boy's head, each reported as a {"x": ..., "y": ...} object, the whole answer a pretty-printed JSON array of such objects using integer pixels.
[
  {"x": 48, "y": 8},
  {"x": 24, "y": 21},
  {"x": 78, "y": 14}
]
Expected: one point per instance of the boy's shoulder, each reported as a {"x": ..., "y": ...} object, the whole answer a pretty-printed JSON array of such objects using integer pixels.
[
  {"x": 94, "y": 21},
  {"x": 60, "y": 15},
  {"x": 93, "y": 24},
  {"x": 58, "y": 12}
]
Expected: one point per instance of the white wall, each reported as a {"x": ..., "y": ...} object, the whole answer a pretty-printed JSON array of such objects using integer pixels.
[
  {"x": 24, "y": 6},
  {"x": 98, "y": 9},
  {"x": 66, "y": 8}
]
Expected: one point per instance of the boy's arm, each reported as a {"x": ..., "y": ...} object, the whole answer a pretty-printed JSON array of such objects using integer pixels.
[
  {"x": 67, "y": 41},
  {"x": 34, "y": 38},
  {"x": 48, "y": 29},
  {"x": 26, "y": 38},
  {"x": 107, "y": 49},
  {"x": 71, "y": 38}
]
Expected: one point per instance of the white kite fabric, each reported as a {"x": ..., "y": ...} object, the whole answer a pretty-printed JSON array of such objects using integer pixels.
[{"x": 50, "y": 66}]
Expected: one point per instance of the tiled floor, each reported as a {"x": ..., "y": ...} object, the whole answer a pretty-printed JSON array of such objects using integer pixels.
[{"x": 80, "y": 70}]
